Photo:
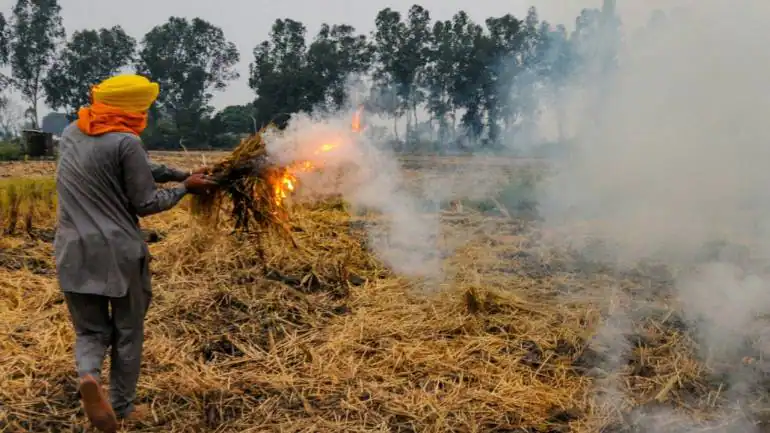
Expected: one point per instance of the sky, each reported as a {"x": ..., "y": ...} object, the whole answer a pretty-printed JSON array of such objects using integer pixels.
[{"x": 248, "y": 22}]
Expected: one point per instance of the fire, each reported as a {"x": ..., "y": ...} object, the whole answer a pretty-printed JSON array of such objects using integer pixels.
[
  {"x": 356, "y": 126},
  {"x": 287, "y": 183},
  {"x": 325, "y": 148},
  {"x": 284, "y": 186}
]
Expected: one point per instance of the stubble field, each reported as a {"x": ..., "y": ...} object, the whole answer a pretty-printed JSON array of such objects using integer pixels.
[{"x": 327, "y": 338}]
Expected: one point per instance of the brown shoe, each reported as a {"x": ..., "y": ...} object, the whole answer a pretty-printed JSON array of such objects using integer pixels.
[
  {"x": 96, "y": 407},
  {"x": 139, "y": 413}
]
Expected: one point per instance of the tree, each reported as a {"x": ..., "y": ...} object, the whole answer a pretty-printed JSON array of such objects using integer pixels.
[
  {"x": 190, "y": 60},
  {"x": 402, "y": 52},
  {"x": 415, "y": 55},
  {"x": 89, "y": 57},
  {"x": 279, "y": 74},
  {"x": 235, "y": 119},
  {"x": 388, "y": 38},
  {"x": 466, "y": 91},
  {"x": 503, "y": 48},
  {"x": 36, "y": 31},
  {"x": 597, "y": 38},
  {"x": 595, "y": 42},
  {"x": 11, "y": 118},
  {"x": 5, "y": 46},
  {"x": 442, "y": 64},
  {"x": 336, "y": 55},
  {"x": 323, "y": 69},
  {"x": 553, "y": 66}
]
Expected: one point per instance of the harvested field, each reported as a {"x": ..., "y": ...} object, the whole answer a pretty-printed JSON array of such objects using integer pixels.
[
  {"x": 27, "y": 169},
  {"x": 194, "y": 158},
  {"x": 48, "y": 167},
  {"x": 326, "y": 338}
]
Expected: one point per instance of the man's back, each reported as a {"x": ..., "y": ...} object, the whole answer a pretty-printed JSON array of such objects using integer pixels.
[{"x": 98, "y": 233}]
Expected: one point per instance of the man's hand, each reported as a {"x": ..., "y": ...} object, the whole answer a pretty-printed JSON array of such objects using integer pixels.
[
  {"x": 199, "y": 184},
  {"x": 204, "y": 169}
]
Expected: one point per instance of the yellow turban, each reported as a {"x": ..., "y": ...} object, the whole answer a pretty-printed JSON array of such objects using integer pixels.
[{"x": 131, "y": 93}]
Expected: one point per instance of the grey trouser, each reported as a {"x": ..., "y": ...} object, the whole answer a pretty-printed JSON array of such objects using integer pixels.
[{"x": 122, "y": 329}]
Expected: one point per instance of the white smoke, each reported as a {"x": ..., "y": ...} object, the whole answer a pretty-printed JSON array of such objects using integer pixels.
[
  {"x": 675, "y": 156},
  {"x": 369, "y": 178}
]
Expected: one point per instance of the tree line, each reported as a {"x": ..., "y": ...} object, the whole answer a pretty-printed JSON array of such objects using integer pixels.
[{"x": 447, "y": 84}]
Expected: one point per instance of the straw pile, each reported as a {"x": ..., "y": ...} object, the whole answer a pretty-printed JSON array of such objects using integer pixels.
[
  {"x": 324, "y": 338},
  {"x": 251, "y": 184}
]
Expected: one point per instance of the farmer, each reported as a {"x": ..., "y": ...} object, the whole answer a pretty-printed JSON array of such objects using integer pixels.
[{"x": 104, "y": 182}]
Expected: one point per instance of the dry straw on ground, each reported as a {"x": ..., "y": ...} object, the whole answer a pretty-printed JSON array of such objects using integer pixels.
[{"x": 325, "y": 338}]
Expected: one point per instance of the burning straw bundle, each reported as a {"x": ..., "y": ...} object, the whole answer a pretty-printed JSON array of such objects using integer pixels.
[{"x": 254, "y": 187}]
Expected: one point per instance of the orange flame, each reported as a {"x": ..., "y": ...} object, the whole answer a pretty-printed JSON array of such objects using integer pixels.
[
  {"x": 287, "y": 183},
  {"x": 283, "y": 187},
  {"x": 325, "y": 148},
  {"x": 356, "y": 126}
]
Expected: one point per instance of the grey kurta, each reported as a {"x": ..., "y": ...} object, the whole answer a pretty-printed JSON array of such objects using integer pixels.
[{"x": 104, "y": 184}]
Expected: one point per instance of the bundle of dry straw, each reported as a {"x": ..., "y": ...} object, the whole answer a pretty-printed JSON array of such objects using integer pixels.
[{"x": 251, "y": 188}]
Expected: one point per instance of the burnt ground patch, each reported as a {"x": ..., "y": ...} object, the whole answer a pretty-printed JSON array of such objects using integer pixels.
[{"x": 16, "y": 259}]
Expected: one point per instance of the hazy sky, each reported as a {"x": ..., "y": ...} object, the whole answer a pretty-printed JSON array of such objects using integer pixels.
[{"x": 248, "y": 22}]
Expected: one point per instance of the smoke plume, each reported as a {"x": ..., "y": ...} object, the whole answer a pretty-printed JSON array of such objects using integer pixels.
[
  {"x": 670, "y": 155},
  {"x": 347, "y": 163}
]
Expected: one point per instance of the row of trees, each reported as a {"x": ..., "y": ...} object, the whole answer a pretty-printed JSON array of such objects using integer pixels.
[
  {"x": 191, "y": 59},
  {"x": 440, "y": 81}
]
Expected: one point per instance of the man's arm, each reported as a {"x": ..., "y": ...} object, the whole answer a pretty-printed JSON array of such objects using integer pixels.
[
  {"x": 139, "y": 180},
  {"x": 162, "y": 173}
]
